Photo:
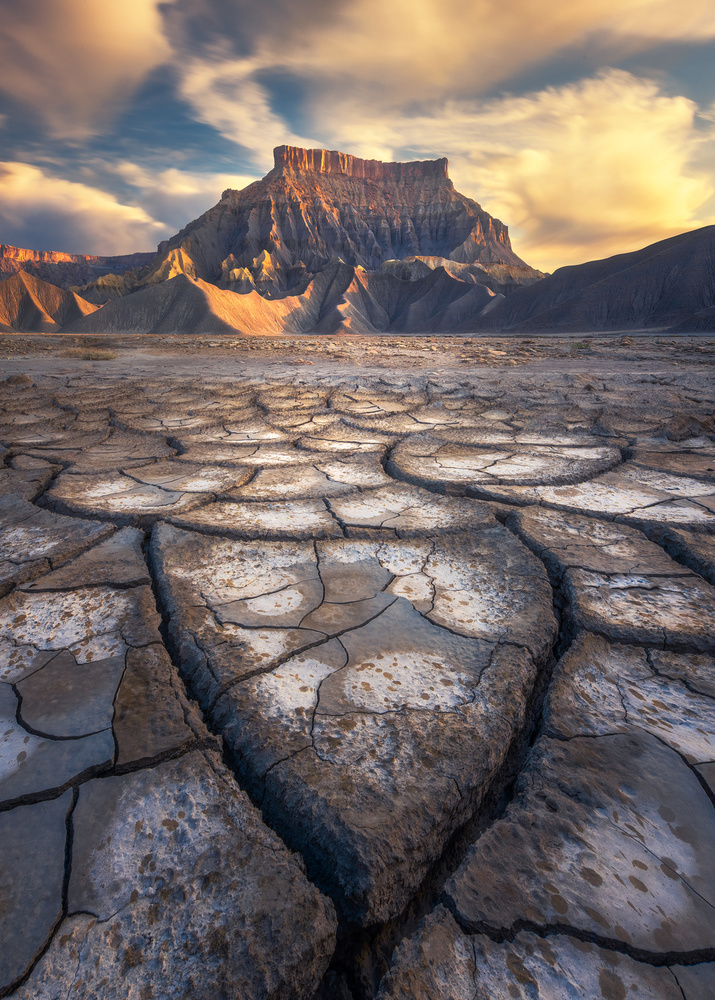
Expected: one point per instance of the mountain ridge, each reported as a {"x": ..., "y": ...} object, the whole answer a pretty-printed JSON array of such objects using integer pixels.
[
  {"x": 28, "y": 303},
  {"x": 332, "y": 161},
  {"x": 318, "y": 205},
  {"x": 67, "y": 269},
  {"x": 328, "y": 242},
  {"x": 670, "y": 283},
  {"x": 339, "y": 299}
]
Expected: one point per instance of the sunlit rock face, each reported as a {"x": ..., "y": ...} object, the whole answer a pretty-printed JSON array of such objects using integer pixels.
[
  {"x": 65, "y": 269},
  {"x": 27, "y": 303},
  {"x": 316, "y": 205},
  {"x": 316, "y": 245}
]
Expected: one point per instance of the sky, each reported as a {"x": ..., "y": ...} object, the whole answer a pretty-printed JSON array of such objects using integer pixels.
[{"x": 587, "y": 126}]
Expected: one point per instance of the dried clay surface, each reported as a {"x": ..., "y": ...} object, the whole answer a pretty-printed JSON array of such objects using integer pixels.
[{"x": 393, "y": 683}]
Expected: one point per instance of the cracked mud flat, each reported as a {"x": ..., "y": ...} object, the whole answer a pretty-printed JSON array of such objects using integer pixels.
[{"x": 394, "y": 686}]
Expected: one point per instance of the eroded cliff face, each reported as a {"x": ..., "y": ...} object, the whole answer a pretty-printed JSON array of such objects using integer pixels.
[
  {"x": 318, "y": 205},
  {"x": 66, "y": 270},
  {"x": 330, "y": 161},
  {"x": 31, "y": 304}
]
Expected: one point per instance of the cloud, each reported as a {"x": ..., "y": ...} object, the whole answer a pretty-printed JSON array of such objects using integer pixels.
[
  {"x": 75, "y": 63},
  {"x": 43, "y": 212},
  {"x": 396, "y": 54},
  {"x": 224, "y": 94},
  {"x": 176, "y": 196},
  {"x": 425, "y": 49},
  {"x": 602, "y": 166}
]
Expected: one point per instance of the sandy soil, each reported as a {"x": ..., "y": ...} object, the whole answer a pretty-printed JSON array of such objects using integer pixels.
[{"x": 322, "y": 358}]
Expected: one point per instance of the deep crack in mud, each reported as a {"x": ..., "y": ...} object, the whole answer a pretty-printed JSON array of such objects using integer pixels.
[{"x": 426, "y": 708}]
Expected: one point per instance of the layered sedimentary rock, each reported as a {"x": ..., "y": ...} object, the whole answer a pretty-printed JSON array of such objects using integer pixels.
[
  {"x": 327, "y": 242},
  {"x": 320, "y": 206},
  {"x": 66, "y": 269},
  {"x": 668, "y": 284},
  {"x": 339, "y": 299},
  {"x": 27, "y": 303},
  {"x": 502, "y": 278}
]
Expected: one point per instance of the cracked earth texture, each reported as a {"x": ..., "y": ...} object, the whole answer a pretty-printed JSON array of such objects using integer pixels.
[{"x": 325, "y": 687}]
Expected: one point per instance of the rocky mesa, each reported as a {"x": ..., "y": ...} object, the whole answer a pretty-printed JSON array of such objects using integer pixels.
[
  {"x": 330, "y": 243},
  {"x": 66, "y": 269},
  {"x": 317, "y": 206}
]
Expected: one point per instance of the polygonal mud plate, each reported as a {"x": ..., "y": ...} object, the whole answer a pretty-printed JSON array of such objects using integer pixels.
[
  {"x": 177, "y": 889},
  {"x": 620, "y": 584},
  {"x": 441, "y": 962},
  {"x": 632, "y": 494},
  {"x": 145, "y": 493},
  {"x": 339, "y": 437},
  {"x": 609, "y": 836},
  {"x": 33, "y": 540},
  {"x": 466, "y": 468},
  {"x": 368, "y": 691},
  {"x": 276, "y": 519},
  {"x": 407, "y": 511},
  {"x": 600, "y": 688}
]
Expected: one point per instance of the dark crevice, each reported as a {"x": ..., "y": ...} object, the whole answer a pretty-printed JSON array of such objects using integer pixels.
[
  {"x": 679, "y": 552},
  {"x": 175, "y": 753},
  {"x": 45, "y": 794},
  {"x": 340, "y": 523},
  {"x": 654, "y": 958},
  {"x": 677, "y": 982},
  {"x": 280, "y": 660},
  {"x": 676, "y": 678},
  {"x": 362, "y": 956}
]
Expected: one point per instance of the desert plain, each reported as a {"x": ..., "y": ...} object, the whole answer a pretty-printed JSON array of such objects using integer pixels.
[{"x": 358, "y": 667}]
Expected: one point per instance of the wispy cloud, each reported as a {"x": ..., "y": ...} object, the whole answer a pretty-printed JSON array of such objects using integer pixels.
[
  {"x": 224, "y": 94},
  {"x": 593, "y": 167},
  {"x": 405, "y": 51},
  {"x": 601, "y": 166},
  {"x": 75, "y": 63},
  {"x": 172, "y": 194},
  {"x": 45, "y": 212}
]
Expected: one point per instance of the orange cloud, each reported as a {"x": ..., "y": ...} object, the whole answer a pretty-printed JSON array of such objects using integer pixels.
[
  {"x": 74, "y": 63},
  {"x": 422, "y": 49},
  {"x": 404, "y": 51},
  {"x": 71, "y": 216},
  {"x": 602, "y": 166}
]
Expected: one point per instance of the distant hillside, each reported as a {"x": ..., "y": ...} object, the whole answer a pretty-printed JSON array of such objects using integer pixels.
[
  {"x": 66, "y": 269},
  {"x": 31, "y": 305},
  {"x": 330, "y": 243},
  {"x": 668, "y": 284},
  {"x": 339, "y": 299}
]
